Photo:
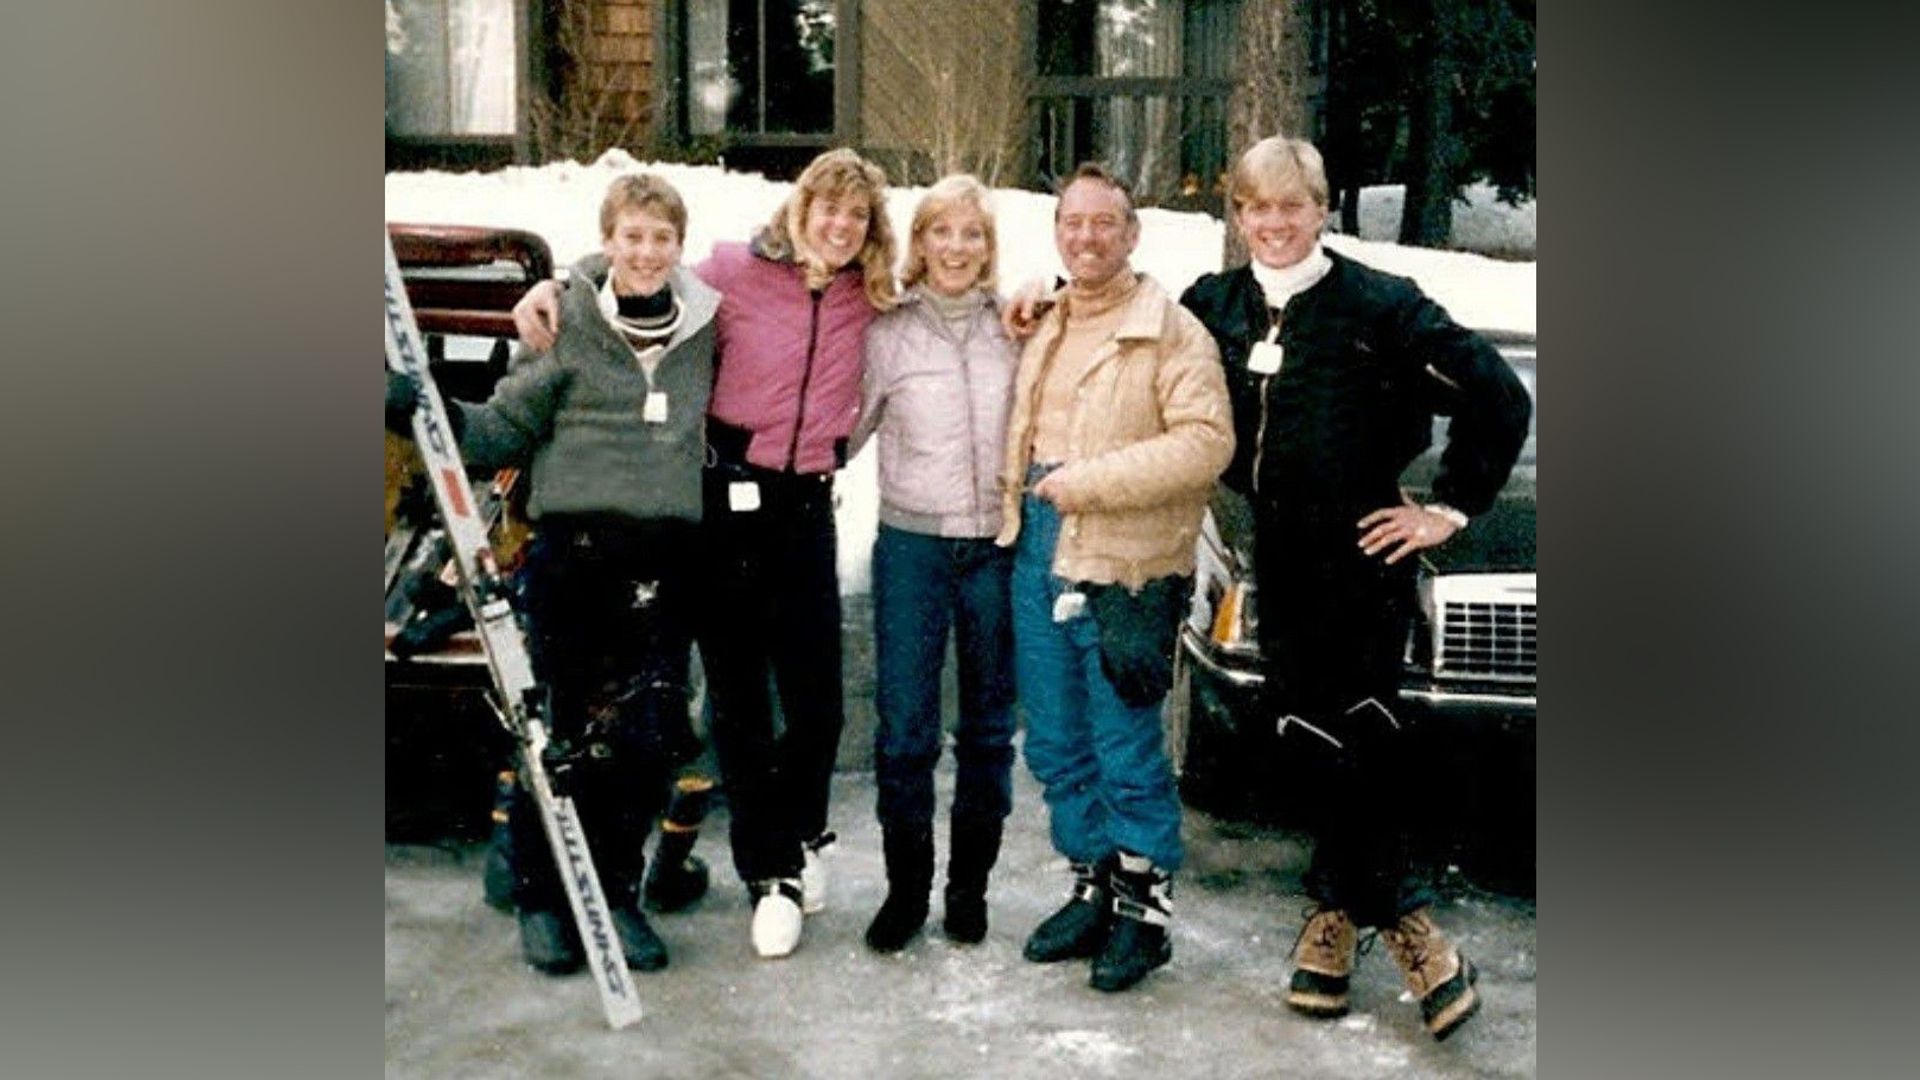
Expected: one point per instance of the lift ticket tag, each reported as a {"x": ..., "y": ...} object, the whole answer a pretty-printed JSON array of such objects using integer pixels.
[
  {"x": 1265, "y": 358},
  {"x": 655, "y": 410},
  {"x": 742, "y": 496}
]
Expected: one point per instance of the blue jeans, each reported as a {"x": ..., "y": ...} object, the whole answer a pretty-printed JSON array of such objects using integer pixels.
[
  {"x": 1102, "y": 762},
  {"x": 922, "y": 586}
]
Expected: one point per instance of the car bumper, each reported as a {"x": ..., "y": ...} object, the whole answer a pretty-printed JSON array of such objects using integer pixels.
[
  {"x": 1234, "y": 682},
  {"x": 1481, "y": 738}
]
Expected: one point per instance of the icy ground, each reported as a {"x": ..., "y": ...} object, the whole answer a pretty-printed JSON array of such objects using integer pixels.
[{"x": 460, "y": 1003}]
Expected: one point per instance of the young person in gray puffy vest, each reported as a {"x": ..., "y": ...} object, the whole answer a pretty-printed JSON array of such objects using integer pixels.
[{"x": 611, "y": 424}]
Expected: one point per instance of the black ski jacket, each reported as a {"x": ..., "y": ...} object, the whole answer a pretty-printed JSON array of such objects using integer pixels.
[{"x": 1368, "y": 361}]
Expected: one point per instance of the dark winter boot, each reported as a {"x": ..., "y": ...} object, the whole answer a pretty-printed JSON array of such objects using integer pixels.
[
  {"x": 1322, "y": 964},
  {"x": 678, "y": 877},
  {"x": 975, "y": 848},
  {"x": 1079, "y": 929},
  {"x": 909, "y": 852},
  {"x": 1435, "y": 972},
  {"x": 642, "y": 947},
  {"x": 497, "y": 878},
  {"x": 1142, "y": 911},
  {"x": 550, "y": 942}
]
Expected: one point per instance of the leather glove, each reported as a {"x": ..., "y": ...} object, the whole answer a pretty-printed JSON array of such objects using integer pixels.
[
  {"x": 402, "y": 391},
  {"x": 1138, "y": 635}
]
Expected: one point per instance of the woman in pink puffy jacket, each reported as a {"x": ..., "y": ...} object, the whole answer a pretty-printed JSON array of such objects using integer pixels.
[{"x": 796, "y": 301}]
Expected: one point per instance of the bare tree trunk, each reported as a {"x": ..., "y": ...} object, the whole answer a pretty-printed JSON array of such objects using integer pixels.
[
  {"x": 975, "y": 99},
  {"x": 1432, "y": 147},
  {"x": 1269, "y": 93},
  {"x": 1340, "y": 137}
]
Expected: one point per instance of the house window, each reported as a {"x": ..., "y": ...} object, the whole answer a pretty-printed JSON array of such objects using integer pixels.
[
  {"x": 1139, "y": 84},
  {"x": 452, "y": 67},
  {"x": 760, "y": 67}
]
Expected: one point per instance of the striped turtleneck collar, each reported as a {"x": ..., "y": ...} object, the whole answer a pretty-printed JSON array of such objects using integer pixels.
[{"x": 642, "y": 320}]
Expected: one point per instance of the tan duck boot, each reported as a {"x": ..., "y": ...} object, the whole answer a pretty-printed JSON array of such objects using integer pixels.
[
  {"x": 1322, "y": 964},
  {"x": 1435, "y": 972}
]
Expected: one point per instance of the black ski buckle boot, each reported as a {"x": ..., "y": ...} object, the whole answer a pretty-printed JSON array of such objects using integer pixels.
[
  {"x": 678, "y": 878},
  {"x": 1142, "y": 913},
  {"x": 497, "y": 878},
  {"x": 550, "y": 942},
  {"x": 1079, "y": 928},
  {"x": 642, "y": 947}
]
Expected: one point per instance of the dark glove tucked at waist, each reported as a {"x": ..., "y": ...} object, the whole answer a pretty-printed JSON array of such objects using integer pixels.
[{"x": 1137, "y": 635}]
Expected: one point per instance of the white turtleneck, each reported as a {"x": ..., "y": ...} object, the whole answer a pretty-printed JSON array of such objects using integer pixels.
[{"x": 1281, "y": 284}]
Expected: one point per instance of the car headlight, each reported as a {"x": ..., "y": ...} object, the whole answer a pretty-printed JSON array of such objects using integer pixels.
[{"x": 1235, "y": 620}]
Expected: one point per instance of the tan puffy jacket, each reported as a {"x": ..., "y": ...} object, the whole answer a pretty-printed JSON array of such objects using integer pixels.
[{"x": 1151, "y": 430}]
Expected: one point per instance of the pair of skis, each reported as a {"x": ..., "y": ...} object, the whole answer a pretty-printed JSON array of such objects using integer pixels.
[{"x": 521, "y": 702}]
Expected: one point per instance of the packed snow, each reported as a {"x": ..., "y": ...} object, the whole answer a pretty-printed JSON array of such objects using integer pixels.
[{"x": 560, "y": 202}]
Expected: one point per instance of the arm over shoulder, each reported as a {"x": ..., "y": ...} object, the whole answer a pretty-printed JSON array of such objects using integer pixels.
[{"x": 873, "y": 387}]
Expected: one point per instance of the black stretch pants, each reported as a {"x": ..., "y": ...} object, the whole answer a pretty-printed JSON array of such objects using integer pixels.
[
  {"x": 1333, "y": 628},
  {"x": 770, "y": 623},
  {"x": 608, "y": 607}
]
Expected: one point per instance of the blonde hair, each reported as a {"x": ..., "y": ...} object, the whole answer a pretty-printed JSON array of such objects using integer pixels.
[
  {"x": 952, "y": 192},
  {"x": 1277, "y": 164},
  {"x": 836, "y": 174},
  {"x": 643, "y": 191}
]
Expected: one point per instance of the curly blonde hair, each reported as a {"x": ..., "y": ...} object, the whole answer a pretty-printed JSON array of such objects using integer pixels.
[
  {"x": 837, "y": 174},
  {"x": 951, "y": 192}
]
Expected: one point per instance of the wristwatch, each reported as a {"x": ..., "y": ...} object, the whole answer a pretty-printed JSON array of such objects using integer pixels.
[{"x": 1459, "y": 519}]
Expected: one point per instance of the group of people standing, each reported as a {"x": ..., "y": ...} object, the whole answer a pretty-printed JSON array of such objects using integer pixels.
[{"x": 1044, "y": 466}]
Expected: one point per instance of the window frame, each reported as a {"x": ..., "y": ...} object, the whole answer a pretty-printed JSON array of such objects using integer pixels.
[
  {"x": 672, "y": 85},
  {"x": 1087, "y": 91},
  {"x": 412, "y": 151}
]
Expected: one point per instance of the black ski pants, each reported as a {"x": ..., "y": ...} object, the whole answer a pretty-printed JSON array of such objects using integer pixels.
[
  {"x": 1333, "y": 628},
  {"x": 607, "y": 604},
  {"x": 770, "y": 623}
]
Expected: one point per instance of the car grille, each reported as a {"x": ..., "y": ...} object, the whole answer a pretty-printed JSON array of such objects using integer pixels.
[{"x": 1487, "y": 628}]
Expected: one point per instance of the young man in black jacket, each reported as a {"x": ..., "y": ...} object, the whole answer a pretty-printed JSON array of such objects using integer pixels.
[{"x": 1336, "y": 371}]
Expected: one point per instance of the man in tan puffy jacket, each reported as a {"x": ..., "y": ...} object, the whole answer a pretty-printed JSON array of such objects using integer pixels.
[{"x": 1120, "y": 425}]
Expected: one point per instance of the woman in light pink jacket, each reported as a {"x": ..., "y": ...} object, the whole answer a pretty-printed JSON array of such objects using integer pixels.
[{"x": 935, "y": 393}]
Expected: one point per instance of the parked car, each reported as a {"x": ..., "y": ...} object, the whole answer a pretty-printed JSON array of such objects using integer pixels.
[
  {"x": 1468, "y": 680},
  {"x": 444, "y": 745}
]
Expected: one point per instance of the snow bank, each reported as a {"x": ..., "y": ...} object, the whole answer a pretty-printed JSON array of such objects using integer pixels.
[
  {"x": 1484, "y": 224},
  {"x": 561, "y": 203}
]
